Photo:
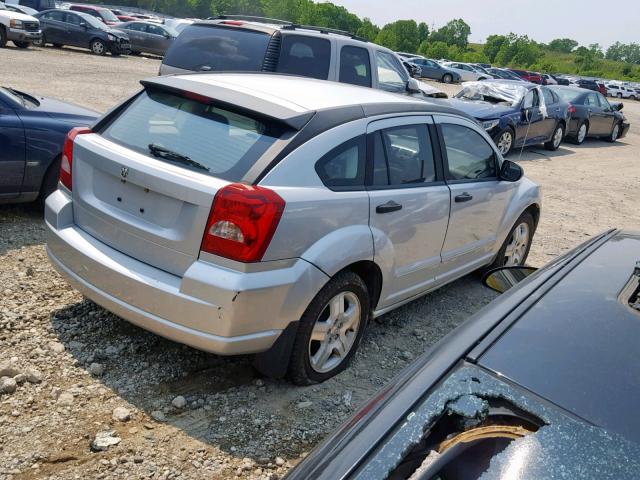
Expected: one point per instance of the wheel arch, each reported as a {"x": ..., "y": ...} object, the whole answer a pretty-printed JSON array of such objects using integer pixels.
[{"x": 371, "y": 275}]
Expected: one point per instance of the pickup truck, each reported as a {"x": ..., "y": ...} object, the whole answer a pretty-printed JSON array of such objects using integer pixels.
[{"x": 21, "y": 29}]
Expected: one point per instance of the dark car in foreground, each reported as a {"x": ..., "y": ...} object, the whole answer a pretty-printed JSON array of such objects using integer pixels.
[
  {"x": 76, "y": 29},
  {"x": 592, "y": 115},
  {"x": 540, "y": 384},
  {"x": 148, "y": 37},
  {"x": 32, "y": 134},
  {"x": 515, "y": 113}
]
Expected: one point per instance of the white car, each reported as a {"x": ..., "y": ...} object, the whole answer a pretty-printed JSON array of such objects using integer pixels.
[
  {"x": 21, "y": 29},
  {"x": 620, "y": 91},
  {"x": 467, "y": 72}
]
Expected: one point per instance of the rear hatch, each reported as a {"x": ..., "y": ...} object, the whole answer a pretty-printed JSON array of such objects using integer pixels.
[{"x": 144, "y": 185}]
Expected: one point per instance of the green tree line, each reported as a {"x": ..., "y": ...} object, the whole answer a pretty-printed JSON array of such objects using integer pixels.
[{"x": 451, "y": 41}]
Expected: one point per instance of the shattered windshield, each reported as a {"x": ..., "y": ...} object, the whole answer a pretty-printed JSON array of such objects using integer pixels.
[{"x": 493, "y": 92}]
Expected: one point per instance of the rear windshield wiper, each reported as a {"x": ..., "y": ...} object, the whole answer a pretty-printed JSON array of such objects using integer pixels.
[{"x": 158, "y": 151}]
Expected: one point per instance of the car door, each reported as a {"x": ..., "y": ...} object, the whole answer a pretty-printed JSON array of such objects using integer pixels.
[
  {"x": 597, "y": 119},
  {"x": 156, "y": 39},
  {"x": 409, "y": 205},
  {"x": 530, "y": 129},
  {"x": 76, "y": 33},
  {"x": 12, "y": 152},
  {"x": 54, "y": 27},
  {"x": 479, "y": 200},
  {"x": 355, "y": 66},
  {"x": 429, "y": 69},
  {"x": 554, "y": 111},
  {"x": 608, "y": 114},
  {"x": 137, "y": 32}
]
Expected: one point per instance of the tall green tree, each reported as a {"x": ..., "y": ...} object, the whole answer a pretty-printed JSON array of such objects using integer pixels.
[
  {"x": 456, "y": 32},
  {"x": 493, "y": 45},
  {"x": 565, "y": 45},
  {"x": 401, "y": 35},
  {"x": 368, "y": 30}
]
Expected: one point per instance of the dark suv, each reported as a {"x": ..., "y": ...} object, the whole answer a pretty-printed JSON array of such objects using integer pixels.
[
  {"x": 252, "y": 44},
  {"x": 64, "y": 27}
]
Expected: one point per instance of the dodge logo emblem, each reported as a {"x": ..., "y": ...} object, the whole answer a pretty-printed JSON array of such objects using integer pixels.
[{"x": 124, "y": 172}]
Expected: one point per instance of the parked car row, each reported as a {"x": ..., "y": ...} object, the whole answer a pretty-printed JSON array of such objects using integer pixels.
[{"x": 518, "y": 114}]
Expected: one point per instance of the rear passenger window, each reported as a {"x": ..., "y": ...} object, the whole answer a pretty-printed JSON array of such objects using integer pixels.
[
  {"x": 344, "y": 165},
  {"x": 403, "y": 156},
  {"x": 469, "y": 156},
  {"x": 355, "y": 66},
  {"x": 591, "y": 100},
  {"x": 548, "y": 96},
  {"x": 305, "y": 56}
]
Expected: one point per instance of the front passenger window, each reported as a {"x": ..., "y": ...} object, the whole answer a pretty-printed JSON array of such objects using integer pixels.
[
  {"x": 469, "y": 156},
  {"x": 391, "y": 75}
]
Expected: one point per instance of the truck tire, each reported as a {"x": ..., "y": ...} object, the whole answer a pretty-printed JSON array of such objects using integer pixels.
[{"x": 3, "y": 37}]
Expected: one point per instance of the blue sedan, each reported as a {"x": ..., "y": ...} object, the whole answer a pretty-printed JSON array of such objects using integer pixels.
[
  {"x": 32, "y": 133},
  {"x": 515, "y": 113}
]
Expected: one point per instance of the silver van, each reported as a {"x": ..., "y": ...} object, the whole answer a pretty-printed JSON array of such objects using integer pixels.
[{"x": 276, "y": 215}]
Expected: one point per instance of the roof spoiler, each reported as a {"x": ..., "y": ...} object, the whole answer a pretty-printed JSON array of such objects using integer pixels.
[{"x": 232, "y": 100}]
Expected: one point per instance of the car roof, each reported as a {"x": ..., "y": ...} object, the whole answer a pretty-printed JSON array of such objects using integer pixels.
[
  {"x": 577, "y": 345},
  {"x": 293, "y": 99},
  {"x": 88, "y": 7}
]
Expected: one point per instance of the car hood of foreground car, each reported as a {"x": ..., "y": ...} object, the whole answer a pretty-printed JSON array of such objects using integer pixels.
[
  {"x": 482, "y": 110},
  {"x": 577, "y": 346},
  {"x": 63, "y": 111}
]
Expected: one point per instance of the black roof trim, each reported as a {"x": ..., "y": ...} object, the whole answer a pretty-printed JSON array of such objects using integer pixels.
[
  {"x": 233, "y": 100},
  {"x": 267, "y": 29}
]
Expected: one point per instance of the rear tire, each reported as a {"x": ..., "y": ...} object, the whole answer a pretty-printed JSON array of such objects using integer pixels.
[
  {"x": 134, "y": 53},
  {"x": 581, "y": 133},
  {"x": 513, "y": 251},
  {"x": 58, "y": 45},
  {"x": 556, "y": 138},
  {"x": 3, "y": 37},
  {"x": 330, "y": 330},
  {"x": 21, "y": 44},
  {"x": 447, "y": 78}
]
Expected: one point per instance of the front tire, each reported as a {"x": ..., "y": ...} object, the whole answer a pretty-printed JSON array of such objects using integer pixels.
[
  {"x": 615, "y": 133},
  {"x": 504, "y": 141},
  {"x": 98, "y": 47},
  {"x": 330, "y": 330},
  {"x": 21, "y": 44},
  {"x": 3, "y": 37},
  {"x": 515, "y": 249},
  {"x": 447, "y": 78},
  {"x": 40, "y": 42},
  {"x": 556, "y": 138}
]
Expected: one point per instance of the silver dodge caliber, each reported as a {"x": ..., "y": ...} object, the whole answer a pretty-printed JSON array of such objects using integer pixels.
[{"x": 276, "y": 215}]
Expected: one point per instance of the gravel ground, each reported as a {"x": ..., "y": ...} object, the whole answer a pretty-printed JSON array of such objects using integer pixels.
[{"x": 87, "y": 395}]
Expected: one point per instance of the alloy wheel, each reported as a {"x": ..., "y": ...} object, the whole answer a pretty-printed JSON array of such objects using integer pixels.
[
  {"x": 557, "y": 137},
  {"x": 334, "y": 332},
  {"x": 516, "y": 249},
  {"x": 615, "y": 132},
  {"x": 504, "y": 142},
  {"x": 97, "y": 48},
  {"x": 582, "y": 133}
]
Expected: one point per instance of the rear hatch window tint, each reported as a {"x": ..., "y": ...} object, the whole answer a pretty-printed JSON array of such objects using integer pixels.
[
  {"x": 218, "y": 48},
  {"x": 189, "y": 133},
  {"x": 305, "y": 56}
]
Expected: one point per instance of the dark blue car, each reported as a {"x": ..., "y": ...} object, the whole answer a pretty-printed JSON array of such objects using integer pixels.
[
  {"x": 32, "y": 133},
  {"x": 515, "y": 113}
]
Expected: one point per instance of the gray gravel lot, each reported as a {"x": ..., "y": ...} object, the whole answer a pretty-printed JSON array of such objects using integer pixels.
[{"x": 179, "y": 413}]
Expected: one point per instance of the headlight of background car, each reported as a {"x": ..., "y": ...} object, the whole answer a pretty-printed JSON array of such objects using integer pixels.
[
  {"x": 16, "y": 24},
  {"x": 111, "y": 37},
  {"x": 489, "y": 124}
]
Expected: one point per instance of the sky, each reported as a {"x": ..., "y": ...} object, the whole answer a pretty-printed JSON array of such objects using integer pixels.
[{"x": 586, "y": 21}]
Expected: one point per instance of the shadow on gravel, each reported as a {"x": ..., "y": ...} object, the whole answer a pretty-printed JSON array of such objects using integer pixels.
[
  {"x": 21, "y": 225},
  {"x": 227, "y": 404}
]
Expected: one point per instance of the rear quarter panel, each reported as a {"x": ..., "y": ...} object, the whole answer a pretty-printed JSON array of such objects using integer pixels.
[{"x": 327, "y": 228}]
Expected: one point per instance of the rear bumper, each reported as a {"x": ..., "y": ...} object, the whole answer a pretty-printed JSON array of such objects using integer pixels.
[
  {"x": 210, "y": 308},
  {"x": 20, "y": 35}
]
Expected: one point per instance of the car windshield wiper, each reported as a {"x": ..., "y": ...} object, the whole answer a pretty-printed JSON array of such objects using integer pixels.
[
  {"x": 19, "y": 95},
  {"x": 158, "y": 151}
]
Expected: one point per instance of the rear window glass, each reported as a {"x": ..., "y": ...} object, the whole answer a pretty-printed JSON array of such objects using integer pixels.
[
  {"x": 305, "y": 56},
  {"x": 225, "y": 143},
  {"x": 218, "y": 49}
]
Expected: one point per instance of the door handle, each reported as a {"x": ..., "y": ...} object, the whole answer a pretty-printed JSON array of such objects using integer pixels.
[
  {"x": 388, "y": 207},
  {"x": 463, "y": 197}
]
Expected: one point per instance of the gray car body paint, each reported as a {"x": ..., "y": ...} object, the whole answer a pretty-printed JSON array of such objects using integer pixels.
[{"x": 564, "y": 448}]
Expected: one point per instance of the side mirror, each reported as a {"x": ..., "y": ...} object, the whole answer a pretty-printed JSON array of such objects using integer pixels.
[
  {"x": 83, "y": 25},
  {"x": 503, "y": 278},
  {"x": 510, "y": 171},
  {"x": 413, "y": 86},
  {"x": 617, "y": 106}
]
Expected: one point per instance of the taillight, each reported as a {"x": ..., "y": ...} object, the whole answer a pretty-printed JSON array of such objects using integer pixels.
[
  {"x": 571, "y": 109},
  {"x": 66, "y": 164},
  {"x": 242, "y": 221}
]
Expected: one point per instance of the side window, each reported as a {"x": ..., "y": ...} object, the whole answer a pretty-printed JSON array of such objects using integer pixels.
[
  {"x": 603, "y": 102},
  {"x": 344, "y": 166},
  {"x": 73, "y": 19},
  {"x": 591, "y": 100},
  {"x": 305, "y": 56},
  {"x": 469, "y": 156},
  {"x": 403, "y": 156},
  {"x": 136, "y": 27},
  {"x": 391, "y": 75},
  {"x": 155, "y": 30},
  {"x": 531, "y": 99},
  {"x": 548, "y": 96},
  {"x": 355, "y": 66}
]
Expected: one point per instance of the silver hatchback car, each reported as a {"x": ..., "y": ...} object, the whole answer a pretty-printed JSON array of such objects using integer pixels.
[{"x": 276, "y": 215}]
